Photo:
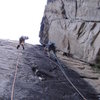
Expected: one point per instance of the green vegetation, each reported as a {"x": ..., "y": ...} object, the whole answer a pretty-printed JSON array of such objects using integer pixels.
[{"x": 96, "y": 67}]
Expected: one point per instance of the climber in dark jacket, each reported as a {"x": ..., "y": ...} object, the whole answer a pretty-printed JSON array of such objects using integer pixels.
[
  {"x": 22, "y": 41},
  {"x": 50, "y": 47},
  {"x": 51, "y": 50}
]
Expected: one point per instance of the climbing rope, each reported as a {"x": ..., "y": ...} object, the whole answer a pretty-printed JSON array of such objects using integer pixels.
[
  {"x": 13, "y": 85},
  {"x": 61, "y": 68}
]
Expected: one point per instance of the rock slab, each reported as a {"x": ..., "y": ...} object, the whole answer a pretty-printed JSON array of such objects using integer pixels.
[{"x": 74, "y": 26}]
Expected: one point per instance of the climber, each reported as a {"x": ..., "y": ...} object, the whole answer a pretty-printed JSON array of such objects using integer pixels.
[
  {"x": 22, "y": 41},
  {"x": 50, "y": 48}
]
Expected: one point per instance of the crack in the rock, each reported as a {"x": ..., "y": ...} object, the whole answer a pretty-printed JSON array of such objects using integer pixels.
[
  {"x": 95, "y": 37},
  {"x": 63, "y": 10},
  {"x": 76, "y": 8}
]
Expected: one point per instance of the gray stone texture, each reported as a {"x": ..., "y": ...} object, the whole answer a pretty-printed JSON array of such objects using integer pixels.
[
  {"x": 28, "y": 85},
  {"x": 74, "y": 26}
]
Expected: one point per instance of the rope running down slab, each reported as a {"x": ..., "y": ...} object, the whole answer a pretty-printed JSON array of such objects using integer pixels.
[
  {"x": 62, "y": 70},
  {"x": 13, "y": 85}
]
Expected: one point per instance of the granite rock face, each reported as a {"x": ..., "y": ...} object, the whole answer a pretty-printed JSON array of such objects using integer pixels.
[
  {"x": 28, "y": 83},
  {"x": 74, "y": 26}
]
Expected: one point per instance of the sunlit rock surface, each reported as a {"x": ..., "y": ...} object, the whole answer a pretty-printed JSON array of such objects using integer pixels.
[{"x": 74, "y": 26}]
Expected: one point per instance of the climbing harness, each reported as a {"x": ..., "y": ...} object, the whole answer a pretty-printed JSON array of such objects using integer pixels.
[
  {"x": 62, "y": 70},
  {"x": 13, "y": 85}
]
